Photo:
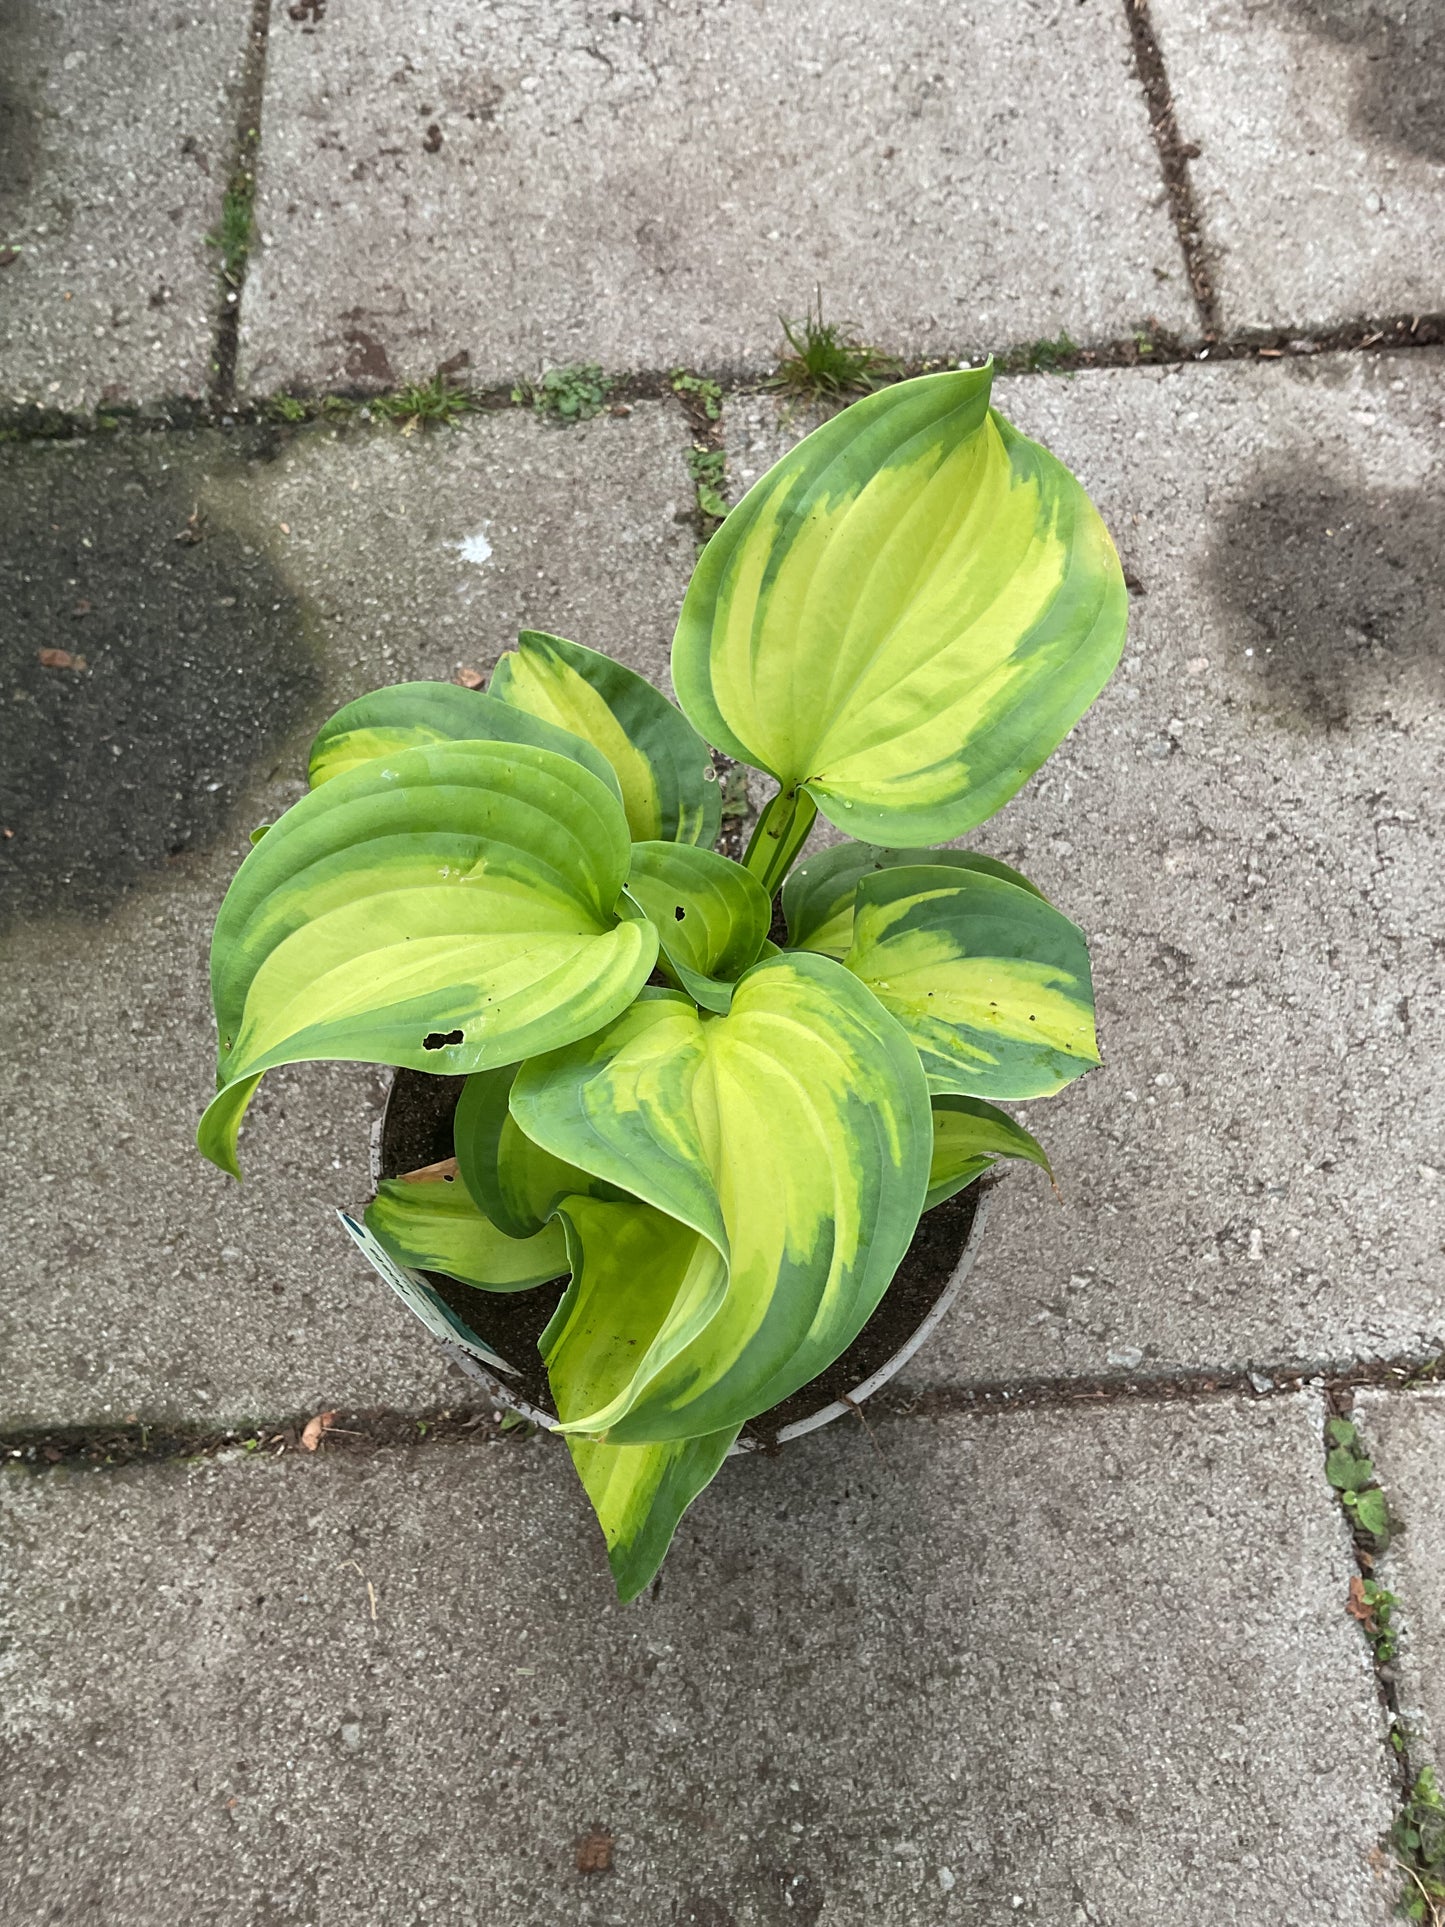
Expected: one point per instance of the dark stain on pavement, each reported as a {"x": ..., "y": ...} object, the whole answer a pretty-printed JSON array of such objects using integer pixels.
[
  {"x": 1399, "y": 60},
  {"x": 20, "y": 151},
  {"x": 1336, "y": 590},
  {"x": 150, "y": 662}
]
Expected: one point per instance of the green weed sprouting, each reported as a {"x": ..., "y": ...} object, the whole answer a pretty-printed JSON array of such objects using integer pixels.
[
  {"x": 698, "y": 393},
  {"x": 1353, "y": 1477},
  {"x": 571, "y": 394},
  {"x": 1418, "y": 1838},
  {"x": 708, "y": 469},
  {"x": 824, "y": 361}
]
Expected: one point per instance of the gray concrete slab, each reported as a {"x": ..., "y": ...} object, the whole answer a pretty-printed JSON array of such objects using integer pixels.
[
  {"x": 1248, "y": 827},
  {"x": 652, "y": 185},
  {"x": 1058, "y": 1667},
  {"x": 116, "y": 131},
  {"x": 1405, "y": 1436},
  {"x": 1320, "y": 175},
  {"x": 141, "y": 1281}
]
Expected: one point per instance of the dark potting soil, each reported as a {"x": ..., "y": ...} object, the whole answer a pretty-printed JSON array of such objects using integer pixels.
[{"x": 417, "y": 1131}]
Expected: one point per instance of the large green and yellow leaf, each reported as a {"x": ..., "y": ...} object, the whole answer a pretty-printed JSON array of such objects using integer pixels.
[
  {"x": 969, "y": 1138},
  {"x": 444, "y": 909},
  {"x": 514, "y": 1181},
  {"x": 627, "y": 1262},
  {"x": 640, "y": 1492},
  {"x": 793, "y": 1135},
  {"x": 905, "y": 615},
  {"x": 432, "y": 1224},
  {"x": 711, "y": 916},
  {"x": 991, "y": 983},
  {"x": 409, "y": 715},
  {"x": 818, "y": 895},
  {"x": 668, "y": 787}
]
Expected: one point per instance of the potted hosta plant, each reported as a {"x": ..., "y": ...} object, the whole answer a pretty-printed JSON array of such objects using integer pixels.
[{"x": 721, "y": 1140}]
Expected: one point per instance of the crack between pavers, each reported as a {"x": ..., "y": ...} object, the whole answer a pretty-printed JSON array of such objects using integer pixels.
[
  {"x": 373, "y": 1428},
  {"x": 241, "y": 183},
  {"x": 1401, "y": 1373},
  {"x": 1174, "y": 158},
  {"x": 1298, "y": 342},
  {"x": 1406, "y": 1753}
]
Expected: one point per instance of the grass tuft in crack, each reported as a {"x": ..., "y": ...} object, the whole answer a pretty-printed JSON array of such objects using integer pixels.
[
  {"x": 571, "y": 394},
  {"x": 1053, "y": 357},
  {"x": 824, "y": 361},
  {"x": 423, "y": 403},
  {"x": 231, "y": 236}
]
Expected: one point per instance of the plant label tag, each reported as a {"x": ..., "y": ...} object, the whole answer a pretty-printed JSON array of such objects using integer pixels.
[{"x": 423, "y": 1299}]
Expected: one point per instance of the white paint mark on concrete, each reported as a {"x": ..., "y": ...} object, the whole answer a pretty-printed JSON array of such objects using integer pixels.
[{"x": 475, "y": 549}]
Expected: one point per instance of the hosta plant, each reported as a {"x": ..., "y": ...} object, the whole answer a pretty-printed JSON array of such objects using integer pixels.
[{"x": 722, "y": 1141}]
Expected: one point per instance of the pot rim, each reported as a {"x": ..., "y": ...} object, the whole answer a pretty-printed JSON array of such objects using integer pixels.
[{"x": 510, "y": 1400}]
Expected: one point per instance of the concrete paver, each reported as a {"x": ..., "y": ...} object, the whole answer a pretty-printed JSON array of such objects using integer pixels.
[
  {"x": 1405, "y": 1436},
  {"x": 141, "y": 1280},
  {"x": 116, "y": 128},
  {"x": 1320, "y": 176},
  {"x": 653, "y": 184},
  {"x": 1056, "y": 1667},
  {"x": 1247, "y": 825}
]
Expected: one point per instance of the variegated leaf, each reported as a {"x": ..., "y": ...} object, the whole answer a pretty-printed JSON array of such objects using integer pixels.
[
  {"x": 668, "y": 787},
  {"x": 991, "y": 983},
  {"x": 514, "y": 1181},
  {"x": 711, "y": 916},
  {"x": 969, "y": 1138},
  {"x": 818, "y": 895},
  {"x": 793, "y": 1134},
  {"x": 904, "y": 616},
  {"x": 410, "y": 715},
  {"x": 444, "y": 909},
  {"x": 627, "y": 1264},
  {"x": 432, "y": 1224}
]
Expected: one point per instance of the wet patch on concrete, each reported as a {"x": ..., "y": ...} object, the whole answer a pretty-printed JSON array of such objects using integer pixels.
[
  {"x": 151, "y": 661},
  {"x": 1399, "y": 53},
  {"x": 1336, "y": 591}
]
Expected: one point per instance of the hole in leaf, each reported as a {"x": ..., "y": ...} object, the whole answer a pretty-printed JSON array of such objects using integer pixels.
[
  {"x": 679, "y": 913},
  {"x": 439, "y": 1039}
]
